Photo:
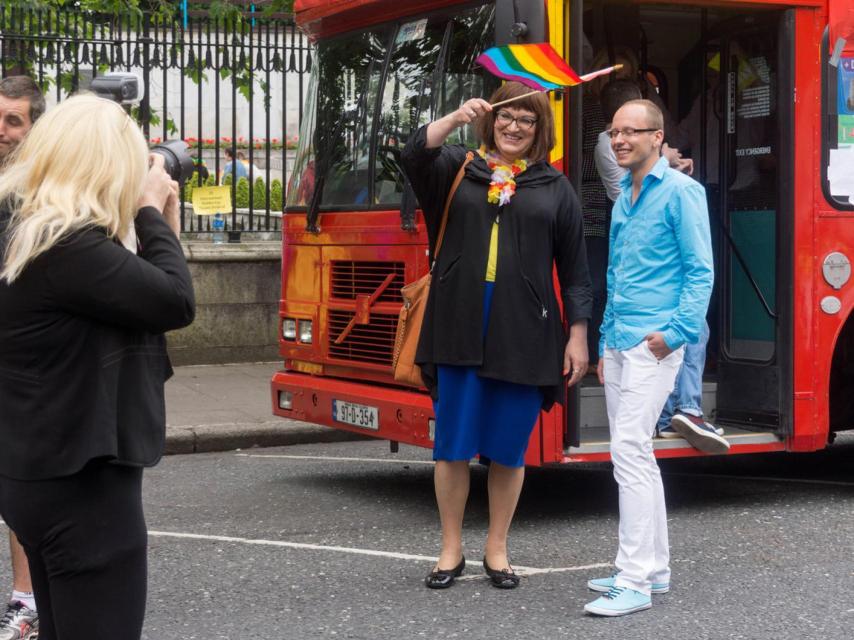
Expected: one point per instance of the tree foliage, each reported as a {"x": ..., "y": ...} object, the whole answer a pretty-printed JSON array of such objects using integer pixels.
[{"x": 166, "y": 8}]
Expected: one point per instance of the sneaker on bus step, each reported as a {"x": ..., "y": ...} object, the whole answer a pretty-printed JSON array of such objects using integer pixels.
[
  {"x": 669, "y": 432},
  {"x": 699, "y": 433},
  {"x": 604, "y": 585},
  {"x": 619, "y": 601}
]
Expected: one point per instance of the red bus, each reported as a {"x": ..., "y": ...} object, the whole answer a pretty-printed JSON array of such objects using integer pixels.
[{"x": 780, "y": 375}]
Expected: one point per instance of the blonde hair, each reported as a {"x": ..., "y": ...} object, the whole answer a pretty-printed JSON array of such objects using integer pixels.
[{"x": 83, "y": 164}]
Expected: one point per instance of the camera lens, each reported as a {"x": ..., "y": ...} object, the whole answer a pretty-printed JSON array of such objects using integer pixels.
[{"x": 176, "y": 159}]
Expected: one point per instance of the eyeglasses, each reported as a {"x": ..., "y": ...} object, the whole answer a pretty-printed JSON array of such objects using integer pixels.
[
  {"x": 628, "y": 132},
  {"x": 526, "y": 123}
]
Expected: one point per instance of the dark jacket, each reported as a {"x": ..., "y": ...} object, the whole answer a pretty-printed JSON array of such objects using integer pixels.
[
  {"x": 539, "y": 229},
  {"x": 82, "y": 352}
]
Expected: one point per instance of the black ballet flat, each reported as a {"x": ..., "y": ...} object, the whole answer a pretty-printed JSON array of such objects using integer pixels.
[
  {"x": 503, "y": 579},
  {"x": 444, "y": 578}
]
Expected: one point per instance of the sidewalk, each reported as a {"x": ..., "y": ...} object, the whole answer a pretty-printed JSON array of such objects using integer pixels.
[{"x": 228, "y": 406}]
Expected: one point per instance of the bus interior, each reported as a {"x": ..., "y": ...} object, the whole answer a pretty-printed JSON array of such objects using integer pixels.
[{"x": 726, "y": 78}]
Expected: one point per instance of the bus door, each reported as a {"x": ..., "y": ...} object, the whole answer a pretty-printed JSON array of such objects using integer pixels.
[{"x": 751, "y": 213}]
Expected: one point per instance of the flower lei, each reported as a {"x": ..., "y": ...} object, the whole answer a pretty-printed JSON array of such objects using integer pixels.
[{"x": 503, "y": 184}]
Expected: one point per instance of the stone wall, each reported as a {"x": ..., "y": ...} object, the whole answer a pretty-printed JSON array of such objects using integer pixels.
[{"x": 237, "y": 304}]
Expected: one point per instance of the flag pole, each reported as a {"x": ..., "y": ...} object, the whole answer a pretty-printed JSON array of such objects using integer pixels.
[
  {"x": 584, "y": 78},
  {"x": 601, "y": 72},
  {"x": 524, "y": 95}
]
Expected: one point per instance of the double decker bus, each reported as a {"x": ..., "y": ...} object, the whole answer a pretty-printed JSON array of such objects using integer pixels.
[{"x": 780, "y": 371}]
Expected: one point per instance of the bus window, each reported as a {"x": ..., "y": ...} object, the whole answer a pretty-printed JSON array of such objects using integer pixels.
[
  {"x": 839, "y": 132},
  {"x": 406, "y": 99},
  {"x": 472, "y": 33},
  {"x": 339, "y": 120},
  {"x": 411, "y": 98}
]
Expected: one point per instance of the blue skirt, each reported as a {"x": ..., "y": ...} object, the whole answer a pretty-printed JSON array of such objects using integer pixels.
[{"x": 483, "y": 416}]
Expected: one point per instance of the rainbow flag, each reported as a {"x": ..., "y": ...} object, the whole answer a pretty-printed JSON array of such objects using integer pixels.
[{"x": 536, "y": 65}]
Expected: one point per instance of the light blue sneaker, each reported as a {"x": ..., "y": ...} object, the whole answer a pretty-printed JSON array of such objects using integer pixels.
[
  {"x": 619, "y": 601},
  {"x": 603, "y": 585}
]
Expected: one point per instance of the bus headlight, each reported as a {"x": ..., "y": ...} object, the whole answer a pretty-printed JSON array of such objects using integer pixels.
[
  {"x": 289, "y": 329},
  {"x": 305, "y": 331},
  {"x": 286, "y": 400}
]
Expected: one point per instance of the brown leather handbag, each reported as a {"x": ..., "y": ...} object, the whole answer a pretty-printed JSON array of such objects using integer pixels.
[{"x": 415, "y": 301}]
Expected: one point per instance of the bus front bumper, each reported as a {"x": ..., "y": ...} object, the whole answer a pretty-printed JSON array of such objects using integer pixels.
[{"x": 369, "y": 409}]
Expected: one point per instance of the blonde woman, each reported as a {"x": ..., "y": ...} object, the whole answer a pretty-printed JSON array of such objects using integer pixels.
[{"x": 83, "y": 358}]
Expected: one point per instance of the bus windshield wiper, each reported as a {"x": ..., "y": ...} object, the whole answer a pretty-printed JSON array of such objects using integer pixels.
[{"x": 324, "y": 163}]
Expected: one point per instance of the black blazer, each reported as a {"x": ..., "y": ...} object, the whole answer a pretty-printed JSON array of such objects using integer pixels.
[
  {"x": 82, "y": 352},
  {"x": 539, "y": 230}
]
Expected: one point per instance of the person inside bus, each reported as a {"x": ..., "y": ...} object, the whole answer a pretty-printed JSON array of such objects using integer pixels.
[
  {"x": 685, "y": 403},
  {"x": 492, "y": 349},
  {"x": 596, "y": 209},
  {"x": 631, "y": 70},
  {"x": 683, "y": 412},
  {"x": 660, "y": 277}
]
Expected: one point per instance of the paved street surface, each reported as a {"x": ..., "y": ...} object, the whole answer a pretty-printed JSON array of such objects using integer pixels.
[{"x": 333, "y": 540}]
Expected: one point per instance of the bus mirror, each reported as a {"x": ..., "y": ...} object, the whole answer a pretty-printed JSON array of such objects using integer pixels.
[{"x": 520, "y": 22}]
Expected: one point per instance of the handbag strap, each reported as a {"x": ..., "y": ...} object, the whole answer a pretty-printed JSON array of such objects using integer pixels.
[{"x": 444, "y": 224}]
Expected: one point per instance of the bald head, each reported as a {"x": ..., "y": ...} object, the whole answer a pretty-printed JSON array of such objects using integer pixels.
[{"x": 653, "y": 118}]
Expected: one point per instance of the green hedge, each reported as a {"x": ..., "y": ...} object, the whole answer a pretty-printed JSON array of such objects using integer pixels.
[{"x": 242, "y": 192}]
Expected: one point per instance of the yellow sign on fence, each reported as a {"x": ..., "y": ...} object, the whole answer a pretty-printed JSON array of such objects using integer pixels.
[{"x": 210, "y": 200}]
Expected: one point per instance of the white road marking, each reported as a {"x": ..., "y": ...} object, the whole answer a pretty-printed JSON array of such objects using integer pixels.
[
  {"x": 352, "y": 550},
  {"x": 335, "y": 458},
  {"x": 526, "y": 571},
  {"x": 532, "y": 571}
]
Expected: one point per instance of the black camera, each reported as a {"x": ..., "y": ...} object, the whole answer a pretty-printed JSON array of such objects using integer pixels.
[
  {"x": 126, "y": 89},
  {"x": 177, "y": 161}
]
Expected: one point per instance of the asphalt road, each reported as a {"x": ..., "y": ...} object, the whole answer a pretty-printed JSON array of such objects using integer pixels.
[{"x": 333, "y": 541}]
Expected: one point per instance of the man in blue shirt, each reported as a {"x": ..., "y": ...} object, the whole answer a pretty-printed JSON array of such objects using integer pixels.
[
  {"x": 660, "y": 277},
  {"x": 234, "y": 167}
]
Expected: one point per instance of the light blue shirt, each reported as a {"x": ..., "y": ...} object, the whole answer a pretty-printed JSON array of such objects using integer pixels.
[
  {"x": 238, "y": 168},
  {"x": 660, "y": 269}
]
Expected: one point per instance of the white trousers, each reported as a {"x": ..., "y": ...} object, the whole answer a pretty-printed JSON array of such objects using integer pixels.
[{"x": 637, "y": 385}]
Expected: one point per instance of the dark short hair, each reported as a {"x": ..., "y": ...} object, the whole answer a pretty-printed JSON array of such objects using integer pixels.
[
  {"x": 537, "y": 103},
  {"x": 229, "y": 152},
  {"x": 16, "y": 87},
  {"x": 615, "y": 94}
]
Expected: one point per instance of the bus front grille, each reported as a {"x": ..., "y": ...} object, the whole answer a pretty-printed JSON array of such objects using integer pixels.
[
  {"x": 372, "y": 342},
  {"x": 353, "y": 278}
]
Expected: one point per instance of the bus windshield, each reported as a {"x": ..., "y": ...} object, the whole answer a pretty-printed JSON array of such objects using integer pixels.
[{"x": 368, "y": 93}]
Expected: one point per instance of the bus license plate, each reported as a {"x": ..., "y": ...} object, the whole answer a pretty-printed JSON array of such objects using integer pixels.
[{"x": 358, "y": 415}]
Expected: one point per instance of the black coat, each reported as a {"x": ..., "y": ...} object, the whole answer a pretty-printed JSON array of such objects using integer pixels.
[
  {"x": 82, "y": 352},
  {"x": 539, "y": 229}
]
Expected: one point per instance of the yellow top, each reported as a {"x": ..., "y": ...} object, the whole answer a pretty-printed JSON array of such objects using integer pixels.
[{"x": 492, "y": 261}]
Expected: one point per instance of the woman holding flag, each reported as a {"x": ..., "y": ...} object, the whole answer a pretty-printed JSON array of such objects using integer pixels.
[{"x": 493, "y": 349}]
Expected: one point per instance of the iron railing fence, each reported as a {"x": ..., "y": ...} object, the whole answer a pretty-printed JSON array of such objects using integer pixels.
[{"x": 218, "y": 83}]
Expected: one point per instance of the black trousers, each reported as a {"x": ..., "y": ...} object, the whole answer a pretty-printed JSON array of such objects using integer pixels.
[
  {"x": 87, "y": 545},
  {"x": 597, "y": 261}
]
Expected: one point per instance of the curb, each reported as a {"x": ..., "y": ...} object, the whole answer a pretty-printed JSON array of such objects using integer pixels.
[{"x": 228, "y": 437}]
